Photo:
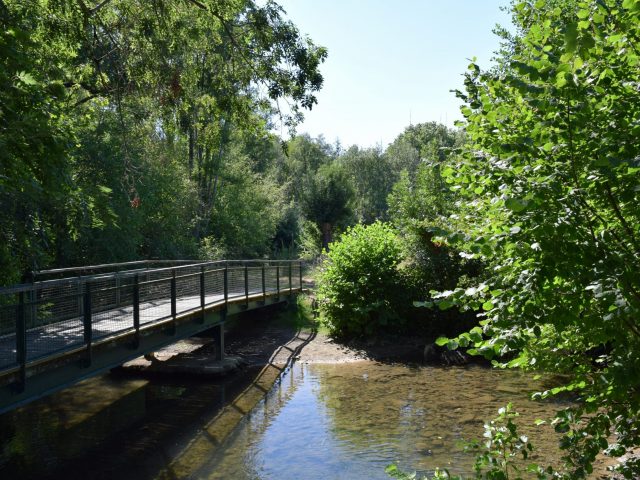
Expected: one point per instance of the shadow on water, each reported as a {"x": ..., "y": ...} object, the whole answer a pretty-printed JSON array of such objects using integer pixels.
[
  {"x": 280, "y": 420},
  {"x": 158, "y": 425}
]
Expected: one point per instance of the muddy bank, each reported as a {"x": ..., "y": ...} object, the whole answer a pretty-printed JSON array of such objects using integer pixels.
[{"x": 259, "y": 340}]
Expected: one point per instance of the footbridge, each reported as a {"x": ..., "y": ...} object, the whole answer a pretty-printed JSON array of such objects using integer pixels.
[{"x": 70, "y": 324}]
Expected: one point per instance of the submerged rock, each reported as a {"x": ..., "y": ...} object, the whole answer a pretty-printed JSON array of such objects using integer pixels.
[
  {"x": 189, "y": 365},
  {"x": 440, "y": 355}
]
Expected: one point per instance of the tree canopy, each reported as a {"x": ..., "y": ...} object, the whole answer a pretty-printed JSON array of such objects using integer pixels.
[
  {"x": 550, "y": 190},
  {"x": 117, "y": 120}
]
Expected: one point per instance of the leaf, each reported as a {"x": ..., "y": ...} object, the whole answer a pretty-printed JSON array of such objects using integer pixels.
[
  {"x": 442, "y": 341},
  {"x": 517, "y": 362},
  {"x": 475, "y": 334},
  {"x": 571, "y": 37},
  {"x": 26, "y": 78},
  {"x": 582, "y": 13},
  {"x": 562, "y": 78},
  {"x": 422, "y": 304},
  {"x": 515, "y": 204},
  {"x": 445, "y": 304}
]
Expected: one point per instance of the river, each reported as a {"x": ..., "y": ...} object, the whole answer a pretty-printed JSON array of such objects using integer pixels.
[
  {"x": 317, "y": 421},
  {"x": 352, "y": 420}
]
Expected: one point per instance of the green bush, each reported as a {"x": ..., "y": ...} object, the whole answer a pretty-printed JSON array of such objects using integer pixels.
[{"x": 360, "y": 287}]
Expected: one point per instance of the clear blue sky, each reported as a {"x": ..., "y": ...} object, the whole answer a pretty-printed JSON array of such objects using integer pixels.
[{"x": 390, "y": 60}]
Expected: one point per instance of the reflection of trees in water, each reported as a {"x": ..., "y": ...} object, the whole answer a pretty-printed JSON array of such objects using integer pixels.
[{"x": 423, "y": 413}]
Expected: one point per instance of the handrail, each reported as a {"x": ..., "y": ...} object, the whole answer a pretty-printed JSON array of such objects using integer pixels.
[
  {"x": 62, "y": 305},
  {"x": 56, "y": 271},
  {"x": 26, "y": 287},
  {"x": 101, "y": 266}
]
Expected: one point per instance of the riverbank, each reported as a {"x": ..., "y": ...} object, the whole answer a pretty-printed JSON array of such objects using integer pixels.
[
  {"x": 185, "y": 423},
  {"x": 277, "y": 337}
]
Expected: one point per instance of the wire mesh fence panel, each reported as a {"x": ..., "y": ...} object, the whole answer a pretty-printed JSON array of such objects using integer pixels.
[
  {"x": 255, "y": 280},
  {"x": 271, "y": 279},
  {"x": 284, "y": 278},
  {"x": 295, "y": 276},
  {"x": 188, "y": 285},
  {"x": 104, "y": 293},
  {"x": 155, "y": 300},
  {"x": 54, "y": 335},
  {"x": 55, "y": 301},
  {"x": 187, "y": 292},
  {"x": 124, "y": 289},
  {"x": 214, "y": 286},
  {"x": 8, "y": 315},
  {"x": 235, "y": 282},
  {"x": 118, "y": 319}
]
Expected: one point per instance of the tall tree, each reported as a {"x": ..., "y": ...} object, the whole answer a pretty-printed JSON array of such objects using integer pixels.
[
  {"x": 90, "y": 88},
  {"x": 327, "y": 199},
  {"x": 423, "y": 141},
  {"x": 550, "y": 181},
  {"x": 373, "y": 176}
]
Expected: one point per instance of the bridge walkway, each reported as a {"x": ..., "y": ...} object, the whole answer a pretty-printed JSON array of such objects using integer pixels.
[{"x": 54, "y": 332}]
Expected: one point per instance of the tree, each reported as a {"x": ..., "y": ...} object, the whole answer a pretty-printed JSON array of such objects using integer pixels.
[
  {"x": 90, "y": 91},
  {"x": 421, "y": 205},
  {"x": 550, "y": 189},
  {"x": 428, "y": 141},
  {"x": 327, "y": 199},
  {"x": 372, "y": 176},
  {"x": 304, "y": 156}
]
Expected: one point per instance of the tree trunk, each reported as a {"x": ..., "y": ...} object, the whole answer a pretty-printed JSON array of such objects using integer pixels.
[{"x": 326, "y": 235}]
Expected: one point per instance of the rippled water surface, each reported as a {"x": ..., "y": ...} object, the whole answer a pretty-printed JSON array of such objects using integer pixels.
[
  {"x": 351, "y": 420},
  {"x": 318, "y": 421}
]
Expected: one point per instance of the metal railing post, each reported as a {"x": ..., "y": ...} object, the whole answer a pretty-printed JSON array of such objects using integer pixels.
[
  {"x": 86, "y": 320},
  {"x": 278, "y": 280},
  {"x": 21, "y": 341},
  {"x": 290, "y": 276},
  {"x": 174, "y": 308},
  {"x": 300, "y": 275},
  {"x": 202, "y": 292},
  {"x": 80, "y": 298},
  {"x": 136, "y": 308},
  {"x": 30, "y": 278},
  {"x": 264, "y": 285},
  {"x": 246, "y": 284},
  {"x": 226, "y": 285}
]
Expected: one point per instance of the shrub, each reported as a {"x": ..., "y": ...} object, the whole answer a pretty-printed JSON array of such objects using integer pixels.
[{"x": 360, "y": 287}]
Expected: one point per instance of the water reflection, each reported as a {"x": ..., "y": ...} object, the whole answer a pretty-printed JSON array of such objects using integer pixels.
[
  {"x": 351, "y": 420},
  {"x": 316, "y": 422}
]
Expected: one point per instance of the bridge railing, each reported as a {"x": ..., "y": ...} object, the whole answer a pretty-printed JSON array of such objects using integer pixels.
[{"x": 53, "y": 316}]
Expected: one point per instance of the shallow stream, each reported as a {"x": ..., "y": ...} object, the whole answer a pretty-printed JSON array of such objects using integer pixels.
[
  {"x": 351, "y": 420},
  {"x": 318, "y": 421}
]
